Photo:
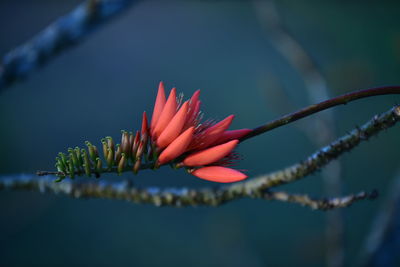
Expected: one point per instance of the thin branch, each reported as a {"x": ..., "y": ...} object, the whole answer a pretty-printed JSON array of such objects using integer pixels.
[
  {"x": 163, "y": 197},
  {"x": 62, "y": 34},
  {"x": 253, "y": 188},
  {"x": 325, "y": 155},
  {"x": 307, "y": 111},
  {"x": 317, "y": 90},
  {"x": 343, "y": 99},
  {"x": 381, "y": 247},
  {"x": 320, "y": 204}
]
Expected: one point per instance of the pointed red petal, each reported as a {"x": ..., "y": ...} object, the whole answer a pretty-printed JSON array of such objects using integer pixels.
[
  {"x": 174, "y": 128},
  {"x": 158, "y": 106},
  {"x": 212, "y": 134},
  {"x": 210, "y": 155},
  {"x": 167, "y": 114},
  {"x": 193, "y": 102},
  {"x": 135, "y": 144},
  {"x": 219, "y": 174},
  {"x": 144, "y": 124},
  {"x": 232, "y": 135},
  {"x": 192, "y": 120},
  {"x": 177, "y": 147}
]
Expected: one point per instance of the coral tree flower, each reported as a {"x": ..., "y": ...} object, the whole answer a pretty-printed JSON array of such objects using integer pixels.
[{"x": 205, "y": 149}]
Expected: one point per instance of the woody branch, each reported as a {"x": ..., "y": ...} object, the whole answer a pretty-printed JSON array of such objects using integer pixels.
[
  {"x": 59, "y": 36},
  {"x": 258, "y": 187}
]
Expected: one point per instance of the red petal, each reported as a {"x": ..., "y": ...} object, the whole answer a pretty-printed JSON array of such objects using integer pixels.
[
  {"x": 167, "y": 114},
  {"x": 177, "y": 147},
  {"x": 144, "y": 124},
  {"x": 232, "y": 135},
  {"x": 210, "y": 155},
  {"x": 174, "y": 128},
  {"x": 219, "y": 174},
  {"x": 193, "y": 102},
  {"x": 212, "y": 134},
  {"x": 158, "y": 106},
  {"x": 191, "y": 118},
  {"x": 135, "y": 144}
]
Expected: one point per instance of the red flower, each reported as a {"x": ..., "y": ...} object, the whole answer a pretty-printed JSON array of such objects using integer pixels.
[{"x": 178, "y": 136}]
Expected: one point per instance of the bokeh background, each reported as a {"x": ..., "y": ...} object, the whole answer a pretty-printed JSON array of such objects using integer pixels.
[{"x": 104, "y": 83}]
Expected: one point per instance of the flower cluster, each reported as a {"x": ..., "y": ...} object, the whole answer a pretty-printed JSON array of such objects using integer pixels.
[
  {"x": 175, "y": 136},
  {"x": 204, "y": 149}
]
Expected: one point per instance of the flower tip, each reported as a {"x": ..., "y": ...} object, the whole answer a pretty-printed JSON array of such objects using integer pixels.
[
  {"x": 144, "y": 123},
  {"x": 159, "y": 105},
  {"x": 210, "y": 155},
  {"x": 166, "y": 114},
  {"x": 219, "y": 174},
  {"x": 177, "y": 147},
  {"x": 174, "y": 127}
]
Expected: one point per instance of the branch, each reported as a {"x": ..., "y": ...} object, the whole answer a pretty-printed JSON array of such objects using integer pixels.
[
  {"x": 382, "y": 243},
  {"x": 62, "y": 34},
  {"x": 176, "y": 197},
  {"x": 252, "y": 188},
  {"x": 317, "y": 90},
  {"x": 325, "y": 155},
  {"x": 307, "y": 111},
  {"x": 320, "y": 204}
]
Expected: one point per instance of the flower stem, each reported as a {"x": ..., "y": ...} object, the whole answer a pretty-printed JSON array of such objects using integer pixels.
[{"x": 307, "y": 111}]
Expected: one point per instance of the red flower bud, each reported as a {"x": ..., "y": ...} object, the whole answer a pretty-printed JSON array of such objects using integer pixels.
[
  {"x": 219, "y": 174},
  {"x": 166, "y": 115},
  {"x": 177, "y": 147},
  {"x": 210, "y": 155},
  {"x": 174, "y": 128},
  {"x": 158, "y": 106}
]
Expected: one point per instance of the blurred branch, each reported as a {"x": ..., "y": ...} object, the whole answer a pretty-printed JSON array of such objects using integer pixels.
[
  {"x": 62, "y": 34},
  {"x": 164, "y": 197},
  {"x": 253, "y": 188},
  {"x": 320, "y": 204},
  {"x": 382, "y": 244},
  {"x": 317, "y": 90}
]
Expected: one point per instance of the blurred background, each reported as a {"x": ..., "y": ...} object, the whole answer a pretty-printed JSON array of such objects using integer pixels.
[{"x": 232, "y": 51}]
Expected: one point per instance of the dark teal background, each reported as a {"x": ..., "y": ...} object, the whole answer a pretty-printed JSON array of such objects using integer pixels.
[{"x": 103, "y": 85}]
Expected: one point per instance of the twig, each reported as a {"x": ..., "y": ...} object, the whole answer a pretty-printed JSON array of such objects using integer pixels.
[
  {"x": 62, "y": 34},
  {"x": 317, "y": 90},
  {"x": 326, "y": 154},
  {"x": 254, "y": 188},
  {"x": 320, "y": 204},
  {"x": 354, "y": 138},
  {"x": 163, "y": 197},
  {"x": 307, "y": 111},
  {"x": 380, "y": 248}
]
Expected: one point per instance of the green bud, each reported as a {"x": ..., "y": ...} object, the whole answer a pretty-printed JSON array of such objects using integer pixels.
[
  {"x": 71, "y": 169},
  {"x": 92, "y": 151},
  {"x": 110, "y": 158},
  {"x": 63, "y": 159},
  {"x": 74, "y": 158},
  {"x": 60, "y": 167},
  {"x": 86, "y": 162},
  {"x": 121, "y": 164},
  {"x": 118, "y": 153},
  {"x": 78, "y": 156},
  {"x": 105, "y": 148},
  {"x": 99, "y": 165},
  {"x": 110, "y": 143}
]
